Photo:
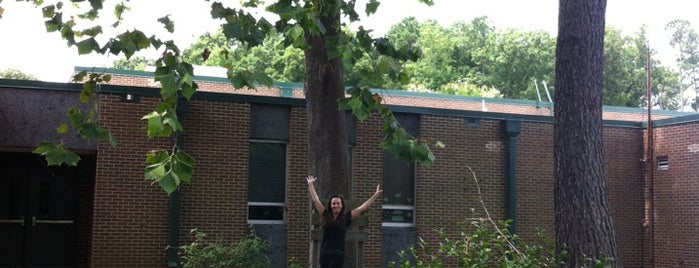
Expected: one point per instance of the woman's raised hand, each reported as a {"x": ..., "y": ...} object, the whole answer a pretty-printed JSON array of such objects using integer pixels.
[{"x": 311, "y": 179}]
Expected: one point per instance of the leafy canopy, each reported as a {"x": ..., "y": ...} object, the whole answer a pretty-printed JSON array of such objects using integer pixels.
[{"x": 169, "y": 168}]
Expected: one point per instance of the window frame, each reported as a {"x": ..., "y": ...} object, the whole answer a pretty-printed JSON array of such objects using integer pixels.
[
  {"x": 413, "y": 119},
  {"x": 275, "y": 204}
]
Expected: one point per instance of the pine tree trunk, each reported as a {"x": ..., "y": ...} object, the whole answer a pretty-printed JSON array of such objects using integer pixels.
[{"x": 584, "y": 225}]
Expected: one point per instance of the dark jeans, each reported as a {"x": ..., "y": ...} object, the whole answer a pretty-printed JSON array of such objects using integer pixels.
[{"x": 332, "y": 260}]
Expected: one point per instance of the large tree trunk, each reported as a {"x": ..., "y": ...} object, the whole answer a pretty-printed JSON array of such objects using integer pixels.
[
  {"x": 327, "y": 138},
  {"x": 584, "y": 225}
]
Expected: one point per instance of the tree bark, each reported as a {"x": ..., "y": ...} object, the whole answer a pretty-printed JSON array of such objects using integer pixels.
[
  {"x": 584, "y": 224},
  {"x": 327, "y": 137}
]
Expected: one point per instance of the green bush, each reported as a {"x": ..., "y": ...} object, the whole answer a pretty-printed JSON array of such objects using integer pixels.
[
  {"x": 246, "y": 253},
  {"x": 481, "y": 245}
]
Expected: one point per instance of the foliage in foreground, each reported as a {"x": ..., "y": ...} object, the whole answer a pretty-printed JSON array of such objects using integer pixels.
[
  {"x": 246, "y": 253},
  {"x": 480, "y": 245},
  {"x": 485, "y": 243}
]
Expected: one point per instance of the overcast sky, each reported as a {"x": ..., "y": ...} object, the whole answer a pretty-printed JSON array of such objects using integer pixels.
[{"x": 26, "y": 46}]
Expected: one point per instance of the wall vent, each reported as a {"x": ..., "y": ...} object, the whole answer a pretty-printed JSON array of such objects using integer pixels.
[{"x": 663, "y": 163}]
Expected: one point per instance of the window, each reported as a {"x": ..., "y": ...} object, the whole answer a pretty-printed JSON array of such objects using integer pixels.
[
  {"x": 399, "y": 182},
  {"x": 269, "y": 133},
  {"x": 266, "y": 181}
]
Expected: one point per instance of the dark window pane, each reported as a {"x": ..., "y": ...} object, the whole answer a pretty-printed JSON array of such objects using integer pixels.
[
  {"x": 267, "y": 172},
  {"x": 398, "y": 215},
  {"x": 270, "y": 213},
  {"x": 398, "y": 181},
  {"x": 410, "y": 122},
  {"x": 270, "y": 122}
]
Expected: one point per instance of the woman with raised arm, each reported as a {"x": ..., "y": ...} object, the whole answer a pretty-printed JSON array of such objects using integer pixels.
[{"x": 335, "y": 222}]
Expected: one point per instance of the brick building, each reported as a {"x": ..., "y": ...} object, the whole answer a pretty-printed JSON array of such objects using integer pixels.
[{"x": 104, "y": 214}]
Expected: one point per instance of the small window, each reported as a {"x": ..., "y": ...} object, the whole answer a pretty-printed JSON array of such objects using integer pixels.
[{"x": 663, "y": 163}]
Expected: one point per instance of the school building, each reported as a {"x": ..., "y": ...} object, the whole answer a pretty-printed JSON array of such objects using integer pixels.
[{"x": 251, "y": 163}]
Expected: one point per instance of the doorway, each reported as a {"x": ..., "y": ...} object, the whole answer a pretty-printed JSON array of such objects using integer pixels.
[{"x": 40, "y": 211}]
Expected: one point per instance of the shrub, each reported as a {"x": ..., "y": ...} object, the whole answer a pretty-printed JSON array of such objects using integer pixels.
[
  {"x": 481, "y": 245},
  {"x": 246, "y": 253}
]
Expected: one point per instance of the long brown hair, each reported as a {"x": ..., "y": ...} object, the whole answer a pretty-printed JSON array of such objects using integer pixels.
[{"x": 328, "y": 215}]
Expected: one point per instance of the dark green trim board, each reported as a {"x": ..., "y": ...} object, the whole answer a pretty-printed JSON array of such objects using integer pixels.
[
  {"x": 39, "y": 85},
  {"x": 511, "y": 129}
]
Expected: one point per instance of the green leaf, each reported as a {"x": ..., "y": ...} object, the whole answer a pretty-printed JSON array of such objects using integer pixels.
[
  {"x": 56, "y": 155},
  {"x": 371, "y": 7},
  {"x": 169, "y": 182},
  {"x": 169, "y": 171},
  {"x": 55, "y": 23},
  {"x": 94, "y": 31},
  {"x": 106, "y": 136},
  {"x": 155, "y": 124},
  {"x": 167, "y": 23},
  {"x": 241, "y": 79},
  {"x": 88, "y": 93},
  {"x": 183, "y": 166},
  {"x": 119, "y": 9},
  {"x": 43, "y": 147},
  {"x": 88, "y": 45},
  {"x": 188, "y": 91},
  {"x": 63, "y": 129},
  {"x": 79, "y": 77},
  {"x": 265, "y": 80},
  {"x": 48, "y": 11},
  {"x": 96, "y": 4},
  {"x": 171, "y": 120},
  {"x": 168, "y": 81},
  {"x": 296, "y": 32}
]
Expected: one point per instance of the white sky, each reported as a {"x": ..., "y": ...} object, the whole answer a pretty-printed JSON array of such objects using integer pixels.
[{"x": 26, "y": 46}]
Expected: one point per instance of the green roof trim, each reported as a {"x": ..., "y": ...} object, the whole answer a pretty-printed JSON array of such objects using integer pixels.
[
  {"x": 500, "y": 116},
  {"x": 693, "y": 118},
  {"x": 78, "y": 69}
]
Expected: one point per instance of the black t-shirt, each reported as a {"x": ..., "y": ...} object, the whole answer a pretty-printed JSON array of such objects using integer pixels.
[{"x": 334, "y": 234}]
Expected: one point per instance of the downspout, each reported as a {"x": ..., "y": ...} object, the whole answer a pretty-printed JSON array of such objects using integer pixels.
[
  {"x": 649, "y": 161},
  {"x": 181, "y": 107},
  {"x": 511, "y": 131}
]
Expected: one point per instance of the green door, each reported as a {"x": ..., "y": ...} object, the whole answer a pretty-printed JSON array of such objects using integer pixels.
[{"x": 37, "y": 216}]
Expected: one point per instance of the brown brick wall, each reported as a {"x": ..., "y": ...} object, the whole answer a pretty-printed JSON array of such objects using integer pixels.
[
  {"x": 298, "y": 202},
  {"x": 624, "y": 170},
  {"x": 130, "y": 217},
  {"x": 367, "y": 173},
  {"x": 677, "y": 196},
  {"x": 534, "y": 175},
  {"x": 216, "y": 135}
]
